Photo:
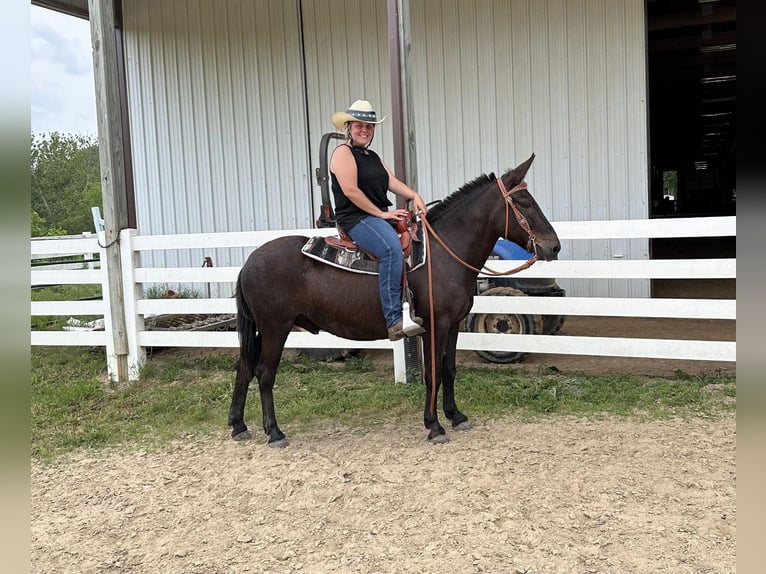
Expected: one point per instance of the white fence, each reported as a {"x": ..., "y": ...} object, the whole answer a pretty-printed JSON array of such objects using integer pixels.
[
  {"x": 137, "y": 308},
  {"x": 73, "y": 260}
]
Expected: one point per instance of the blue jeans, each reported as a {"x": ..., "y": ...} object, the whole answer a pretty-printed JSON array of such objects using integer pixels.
[{"x": 377, "y": 236}]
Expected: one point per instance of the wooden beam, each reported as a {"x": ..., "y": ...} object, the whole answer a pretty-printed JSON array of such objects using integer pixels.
[
  {"x": 405, "y": 44},
  {"x": 112, "y": 159},
  {"x": 404, "y": 148},
  {"x": 77, "y": 8},
  {"x": 395, "y": 69},
  {"x": 401, "y": 92}
]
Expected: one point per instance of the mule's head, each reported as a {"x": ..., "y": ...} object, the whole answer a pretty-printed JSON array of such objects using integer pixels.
[{"x": 540, "y": 237}]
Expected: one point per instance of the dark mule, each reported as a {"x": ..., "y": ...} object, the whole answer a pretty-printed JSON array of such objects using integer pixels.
[{"x": 279, "y": 288}]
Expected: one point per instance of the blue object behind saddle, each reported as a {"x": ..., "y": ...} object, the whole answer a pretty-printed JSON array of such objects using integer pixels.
[{"x": 506, "y": 249}]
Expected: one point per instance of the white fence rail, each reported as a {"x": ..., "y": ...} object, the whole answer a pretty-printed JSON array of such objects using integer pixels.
[
  {"x": 137, "y": 307},
  {"x": 53, "y": 255}
]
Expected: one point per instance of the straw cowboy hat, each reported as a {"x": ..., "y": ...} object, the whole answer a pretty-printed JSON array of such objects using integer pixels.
[{"x": 359, "y": 111}]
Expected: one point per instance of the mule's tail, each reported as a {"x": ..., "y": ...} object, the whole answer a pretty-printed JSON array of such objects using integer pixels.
[{"x": 249, "y": 338}]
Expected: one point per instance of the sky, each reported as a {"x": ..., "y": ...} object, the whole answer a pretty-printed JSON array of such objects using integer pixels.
[{"x": 62, "y": 91}]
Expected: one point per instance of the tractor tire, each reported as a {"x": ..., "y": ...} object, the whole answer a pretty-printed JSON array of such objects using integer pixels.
[{"x": 501, "y": 323}]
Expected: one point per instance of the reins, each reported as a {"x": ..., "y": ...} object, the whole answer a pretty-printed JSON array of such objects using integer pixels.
[
  {"x": 519, "y": 217},
  {"x": 430, "y": 231}
]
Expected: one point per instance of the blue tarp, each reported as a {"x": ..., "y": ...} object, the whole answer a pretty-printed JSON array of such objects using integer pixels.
[{"x": 509, "y": 250}]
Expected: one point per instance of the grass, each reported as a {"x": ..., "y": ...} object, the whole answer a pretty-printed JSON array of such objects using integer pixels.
[
  {"x": 163, "y": 291},
  {"x": 73, "y": 407},
  {"x": 61, "y": 293}
]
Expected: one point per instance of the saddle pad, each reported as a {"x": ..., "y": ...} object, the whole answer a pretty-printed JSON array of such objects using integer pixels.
[{"x": 358, "y": 261}]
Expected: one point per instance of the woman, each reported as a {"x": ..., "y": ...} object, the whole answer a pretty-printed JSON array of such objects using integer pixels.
[{"x": 360, "y": 182}]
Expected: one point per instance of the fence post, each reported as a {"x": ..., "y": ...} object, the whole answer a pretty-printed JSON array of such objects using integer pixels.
[
  {"x": 89, "y": 256},
  {"x": 400, "y": 362},
  {"x": 134, "y": 323},
  {"x": 112, "y": 364}
]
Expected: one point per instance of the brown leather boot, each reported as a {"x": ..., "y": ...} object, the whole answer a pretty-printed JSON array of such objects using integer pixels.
[{"x": 395, "y": 331}]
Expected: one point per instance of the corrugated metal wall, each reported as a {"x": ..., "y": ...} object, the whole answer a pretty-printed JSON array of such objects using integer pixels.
[
  {"x": 225, "y": 118},
  {"x": 494, "y": 81},
  {"x": 346, "y": 46},
  {"x": 217, "y": 117},
  {"x": 229, "y": 100}
]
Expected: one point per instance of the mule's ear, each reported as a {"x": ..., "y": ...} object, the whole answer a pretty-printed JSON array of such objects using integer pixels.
[{"x": 518, "y": 173}]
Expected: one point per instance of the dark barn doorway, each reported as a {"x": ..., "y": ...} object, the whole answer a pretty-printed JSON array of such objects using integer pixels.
[{"x": 692, "y": 49}]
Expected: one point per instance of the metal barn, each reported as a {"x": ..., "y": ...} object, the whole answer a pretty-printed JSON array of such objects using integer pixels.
[{"x": 223, "y": 105}]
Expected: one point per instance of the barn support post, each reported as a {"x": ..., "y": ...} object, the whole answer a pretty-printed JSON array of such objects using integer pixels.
[
  {"x": 112, "y": 160},
  {"x": 404, "y": 147},
  {"x": 399, "y": 56}
]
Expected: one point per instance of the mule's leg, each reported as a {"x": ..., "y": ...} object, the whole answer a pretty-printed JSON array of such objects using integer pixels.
[
  {"x": 459, "y": 420},
  {"x": 436, "y": 432},
  {"x": 249, "y": 356},
  {"x": 266, "y": 372},
  {"x": 237, "y": 410}
]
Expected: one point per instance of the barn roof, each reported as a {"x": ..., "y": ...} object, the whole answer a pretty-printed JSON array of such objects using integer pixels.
[{"x": 77, "y": 8}]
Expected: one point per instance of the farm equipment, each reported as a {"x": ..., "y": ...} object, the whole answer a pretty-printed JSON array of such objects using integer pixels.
[{"x": 513, "y": 323}]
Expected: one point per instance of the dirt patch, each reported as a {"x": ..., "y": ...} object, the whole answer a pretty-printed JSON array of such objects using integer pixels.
[
  {"x": 558, "y": 495},
  {"x": 510, "y": 496}
]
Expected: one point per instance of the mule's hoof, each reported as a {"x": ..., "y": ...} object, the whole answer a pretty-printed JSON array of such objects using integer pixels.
[
  {"x": 465, "y": 425},
  {"x": 438, "y": 439},
  {"x": 244, "y": 435},
  {"x": 281, "y": 443}
]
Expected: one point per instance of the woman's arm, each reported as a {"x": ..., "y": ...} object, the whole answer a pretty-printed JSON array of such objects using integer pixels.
[
  {"x": 401, "y": 189},
  {"x": 343, "y": 165}
]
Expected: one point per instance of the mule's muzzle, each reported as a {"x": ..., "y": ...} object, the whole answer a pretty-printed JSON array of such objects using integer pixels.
[{"x": 547, "y": 250}]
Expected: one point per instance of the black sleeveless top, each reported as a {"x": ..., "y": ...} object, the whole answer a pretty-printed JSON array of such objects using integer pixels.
[{"x": 372, "y": 179}]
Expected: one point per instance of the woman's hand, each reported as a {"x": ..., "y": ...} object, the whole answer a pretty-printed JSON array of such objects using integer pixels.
[
  {"x": 418, "y": 205},
  {"x": 395, "y": 214}
]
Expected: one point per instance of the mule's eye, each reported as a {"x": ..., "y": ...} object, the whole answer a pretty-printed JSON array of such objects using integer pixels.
[{"x": 521, "y": 201}]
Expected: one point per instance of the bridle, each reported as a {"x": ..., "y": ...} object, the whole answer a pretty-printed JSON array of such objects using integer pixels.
[
  {"x": 531, "y": 247},
  {"x": 509, "y": 203}
]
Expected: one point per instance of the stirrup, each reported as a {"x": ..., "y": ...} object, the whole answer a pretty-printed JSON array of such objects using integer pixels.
[{"x": 409, "y": 326}]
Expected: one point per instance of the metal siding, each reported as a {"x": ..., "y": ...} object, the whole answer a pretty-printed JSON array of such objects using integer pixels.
[
  {"x": 598, "y": 199},
  {"x": 560, "y": 200},
  {"x": 217, "y": 119},
  {"x": 577, "y": 100},
  {"x": 346, "y": 47},
  {"x": 637, "y": 131},
  {"x": 428, "y": 88},
  {"x": 540, "y": 103},
  {"x": 219, "y": 109},
  {"x": 564, "y": 79}
]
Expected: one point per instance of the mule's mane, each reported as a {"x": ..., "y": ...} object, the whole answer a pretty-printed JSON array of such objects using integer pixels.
[{"x": 458, "y": 197}]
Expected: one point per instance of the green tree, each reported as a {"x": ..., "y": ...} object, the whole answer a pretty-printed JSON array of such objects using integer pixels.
[
  {"x": 41, "y": 229},
  {"x": 66, "y": 183},
  {"x": 670, "y": 183}
]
